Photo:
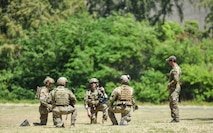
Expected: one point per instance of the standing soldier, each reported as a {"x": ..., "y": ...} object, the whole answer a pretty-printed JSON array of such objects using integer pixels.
[
  {"x": 95, "y": 100},
  {"x": 63, "y": 101},
  {"x": 121, "y": 101},
  {"x": 42, "y": 94},
  {"x": 174, "y": 88}
]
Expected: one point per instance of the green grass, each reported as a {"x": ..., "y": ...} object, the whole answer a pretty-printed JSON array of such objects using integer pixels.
[{"x": 148, "y": 119}]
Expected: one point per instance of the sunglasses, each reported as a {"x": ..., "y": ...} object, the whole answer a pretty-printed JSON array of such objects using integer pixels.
[{"x": 93, "y": 83}]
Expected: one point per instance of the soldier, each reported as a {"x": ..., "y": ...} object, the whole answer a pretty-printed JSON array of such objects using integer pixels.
[
  {"x": 121, "y": 101},
  {"x": 63, "y": 101},
  {"x": 95, "y": 100},
  {"x": 42, "y": 94},
  {"x": 174, "y": 88}
]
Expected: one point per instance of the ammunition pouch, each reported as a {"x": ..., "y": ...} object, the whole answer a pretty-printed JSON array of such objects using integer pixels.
[{"x": 93, "y": 103}]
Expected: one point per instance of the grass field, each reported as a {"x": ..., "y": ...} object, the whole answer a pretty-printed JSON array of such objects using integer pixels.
[{"x": 148, "y": 119}]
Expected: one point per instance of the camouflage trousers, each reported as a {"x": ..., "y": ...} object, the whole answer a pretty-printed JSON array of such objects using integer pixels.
[
  {"x": 94, "y": 111},
  {"x": 58, "y": 111},
  {"x": 173, "y": 102},
  {"x": 43, "y": 114},
  {"x": 125, "y": 114}
]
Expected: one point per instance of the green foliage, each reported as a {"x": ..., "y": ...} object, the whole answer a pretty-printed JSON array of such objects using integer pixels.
[
  {"x": 207, "y": 4},
  {"x": 169, "y": 30},
  {"x": 141, "y": 9},
  {"x": 82, "y": 47},
  {"x": 192, "y": 27},
  {"x": 200, "y": 86},
  {"x": 17, "y": 16},
  {"x": 152, "y": 87}
]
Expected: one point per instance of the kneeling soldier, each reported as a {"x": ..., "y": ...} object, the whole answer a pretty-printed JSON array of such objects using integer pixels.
[
  {"x": 63, "y": 101},
  {"x": 95, "y": 100},
  {"x": 121, "y": 101}
]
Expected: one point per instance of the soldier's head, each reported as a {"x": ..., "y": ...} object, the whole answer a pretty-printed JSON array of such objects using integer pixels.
[
  {"x": 49, "y": 82},
  {"x": 125, "y": 79},
  {"x": 171, "y": 60},
  {"x": 93, "y": 83},
  {"x": 62, "y": 81}
]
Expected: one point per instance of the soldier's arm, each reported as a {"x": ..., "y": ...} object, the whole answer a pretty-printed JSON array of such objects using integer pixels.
[
  {"x": 175, "y": 76},
  {"x": 86, "y": 100},
  {"x": 86, "y": 104},
  {"x": 43, "y": 98},
  {"x": 113, "y": 97},
  {"x": 135, "y": 106},
  {"x": 72, "y": 98}
]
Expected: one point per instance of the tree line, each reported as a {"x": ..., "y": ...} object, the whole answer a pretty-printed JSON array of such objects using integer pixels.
[{"x": 81, "y": 46}]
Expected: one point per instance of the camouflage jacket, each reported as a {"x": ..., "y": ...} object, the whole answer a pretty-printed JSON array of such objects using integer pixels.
[
  {"x": 43, "y": 96},
  {"x": 94, "y": 98},
  {"x": 174, "y": 77}
]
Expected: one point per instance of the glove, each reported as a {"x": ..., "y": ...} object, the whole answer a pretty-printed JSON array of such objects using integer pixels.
[
  {"x": 49, "y": 107},
  {"x": 101, "y": 88},
  {"x": 135, "y": 107}
]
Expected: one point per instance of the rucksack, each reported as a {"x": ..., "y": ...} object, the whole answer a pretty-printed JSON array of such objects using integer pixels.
[{"x": 37, "y": 95}]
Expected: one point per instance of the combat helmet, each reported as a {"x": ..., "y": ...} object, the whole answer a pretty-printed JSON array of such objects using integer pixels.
[
  {"x": 171, "y": 58},
  {"x": 125, "y": 78},
  {"x": 62, "y": 81},
  {"x": 93, "y": 80},
  {"x": 48, "y": 80}
]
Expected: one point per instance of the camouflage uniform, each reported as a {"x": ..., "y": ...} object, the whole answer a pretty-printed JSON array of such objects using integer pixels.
[
  {"x": 174, "y": 89},
  {"x": 63, "y": 101},
  {"x": 45, "y": 107},
  {"x": 96, "y": 100},
  {"x": 121, "y": 101}
]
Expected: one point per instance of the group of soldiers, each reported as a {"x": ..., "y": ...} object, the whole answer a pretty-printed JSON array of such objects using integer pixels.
[{"x": 61, "y": 100}]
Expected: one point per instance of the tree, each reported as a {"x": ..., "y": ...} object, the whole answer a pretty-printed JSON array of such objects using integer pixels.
[
  {"x": 152, "y": 10},
  {"x": 19, "y": 15},
  {"x": 208, "y": 4}
]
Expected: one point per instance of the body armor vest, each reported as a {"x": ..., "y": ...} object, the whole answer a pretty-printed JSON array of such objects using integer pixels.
[
  {"x": 93, "y": 98},
  {"x": 61, "y": 97},
  {"x": 126, "y": 96},
  {"x": 93, "y": 95}
]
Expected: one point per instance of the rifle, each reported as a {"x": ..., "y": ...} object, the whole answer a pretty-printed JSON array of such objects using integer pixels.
[
  {"x": 73, "y": 90},
  {"x": 103, "y": 97}
]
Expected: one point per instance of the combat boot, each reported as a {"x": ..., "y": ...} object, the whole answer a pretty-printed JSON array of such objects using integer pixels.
[
  {"x": 60, "y": 125},
  {"x": 104, "y": 119},
  {"x": 123, "y": 122},
  {"x": 72, "y": 125},
  {"x": 175, "y": 120}
]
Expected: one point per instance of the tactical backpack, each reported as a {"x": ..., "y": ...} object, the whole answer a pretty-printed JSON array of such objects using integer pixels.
[{"x": 38, "y": 92}]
